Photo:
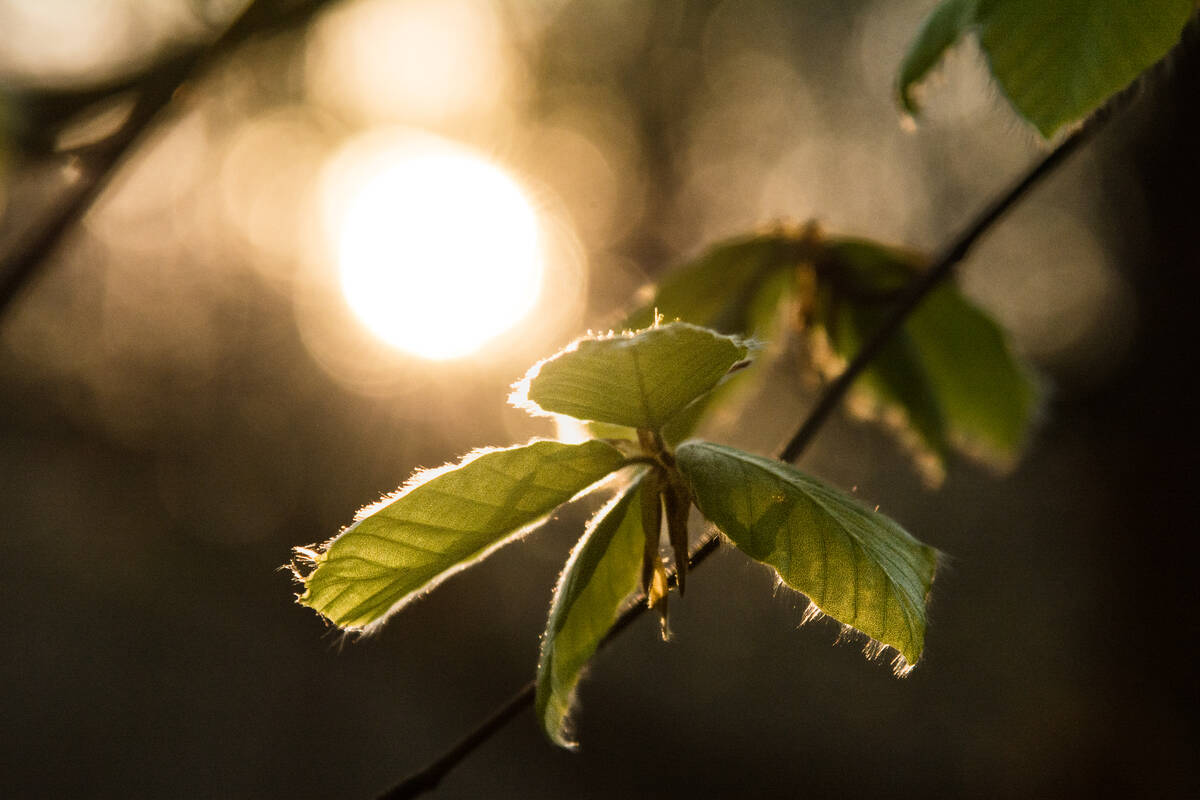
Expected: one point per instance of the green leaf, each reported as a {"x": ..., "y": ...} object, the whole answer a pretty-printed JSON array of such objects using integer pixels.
[
  {"x": 1055, "y": 60},
  {"x": 444, "y": 521},
  {"x": 719, "y": 289},
  {"x": 639, "y": 380},
  {"x": 854, "y": 564},
  {"x": 941, "y": 30},
  {"x": 605, "y": 430},
  {"x": 599, "y": 582},
  {"x": 950, "y": 369},
  {"x": 735, "y": 287}
]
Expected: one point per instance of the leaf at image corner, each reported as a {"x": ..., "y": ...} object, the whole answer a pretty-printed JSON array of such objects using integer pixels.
[
  {"x": 638, "y": 380},
  {"x": 442, "y": 522},
  {"x": 599, "y": 582},
  {"x": 855, "y": 565},
  {"x": 1055, "y": 60}
]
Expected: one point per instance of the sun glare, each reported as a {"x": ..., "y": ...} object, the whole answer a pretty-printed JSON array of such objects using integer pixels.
[{"x": 439, "y": 251}]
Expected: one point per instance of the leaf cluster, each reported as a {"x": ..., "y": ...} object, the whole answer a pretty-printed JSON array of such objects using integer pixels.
[
  {"x": 949, "y": 381},
  {"x": 854, "y": 564}
]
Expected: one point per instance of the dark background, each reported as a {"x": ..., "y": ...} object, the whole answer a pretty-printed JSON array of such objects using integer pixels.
[{"x": 153, "y": 482}]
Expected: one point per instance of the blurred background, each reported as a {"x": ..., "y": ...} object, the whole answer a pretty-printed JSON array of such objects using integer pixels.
[{"x": 328, "y": 259}]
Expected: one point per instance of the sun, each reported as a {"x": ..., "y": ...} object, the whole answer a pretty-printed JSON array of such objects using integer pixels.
[{"x": 439, "y": 251}]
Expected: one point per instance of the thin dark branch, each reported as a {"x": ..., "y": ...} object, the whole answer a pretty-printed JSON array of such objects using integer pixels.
[
  {"x": 427, "y": 779},
  {"x": 155, "y": 92},
  {"x": 20, "y": 267}
]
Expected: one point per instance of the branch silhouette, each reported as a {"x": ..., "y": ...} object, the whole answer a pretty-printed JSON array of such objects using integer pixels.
[{"x": 98, "y": 162}]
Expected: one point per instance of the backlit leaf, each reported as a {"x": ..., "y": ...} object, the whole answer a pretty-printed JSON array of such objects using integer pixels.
[
  {"x": 639, "y": 380},
  {"x": 854, "y": 564},
  {"x": 735, "y": 287},
  {"x": 600, "y": 581},
  {"x": 442, "y": 522},
  {"x": 1055, "y": 60}
]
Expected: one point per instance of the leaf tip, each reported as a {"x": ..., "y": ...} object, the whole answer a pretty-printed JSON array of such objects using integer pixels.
[
  {"x": 303, "y": 563},
  {"x": 906, "y": 91},
  {"x": 940, "y": 31}
]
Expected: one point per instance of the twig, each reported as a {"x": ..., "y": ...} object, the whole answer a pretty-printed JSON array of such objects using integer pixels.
[
  {"x": 919, "y": 289},
  {"x": 427, "y": 778},
  {"x": 420, "y": 782},
  {"x": 100, "y": 164}
]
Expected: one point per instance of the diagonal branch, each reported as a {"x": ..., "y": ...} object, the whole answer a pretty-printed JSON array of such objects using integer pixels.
[{"x": 100, "y": 162}]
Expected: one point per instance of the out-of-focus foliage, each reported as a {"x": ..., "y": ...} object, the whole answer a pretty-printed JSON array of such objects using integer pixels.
[
  {"x": 721, "y": 289},
  {"x": 949, "y": 374},
  {"x": 1055, "y": 61},
  {"x": 947, "y": 380}
]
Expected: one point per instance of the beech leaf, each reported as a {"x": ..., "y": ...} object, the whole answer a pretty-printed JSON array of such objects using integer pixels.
[
  {"x": 639, "y": 380},
  {"x": 442, "y": 522},
  {"x": 718, "y": 289},
  {"x": 854, "y": 564},
  {"x": 600, "y": 581}
]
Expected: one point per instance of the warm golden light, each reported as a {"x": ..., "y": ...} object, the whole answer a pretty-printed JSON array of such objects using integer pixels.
[
  {"x": 421, "y": 61},
  {"x": 438, "y": 251}
]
